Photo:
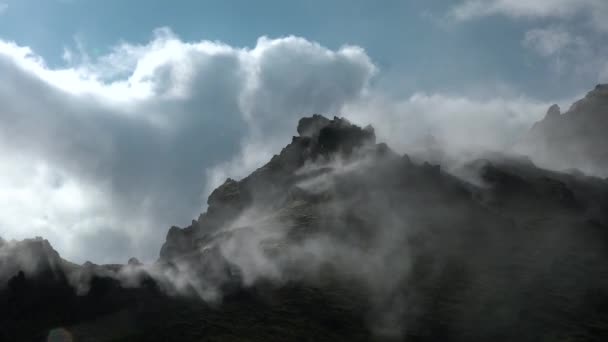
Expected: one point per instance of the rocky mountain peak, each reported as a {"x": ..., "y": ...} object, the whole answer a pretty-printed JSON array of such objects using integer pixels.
[
  {"x": 601, "y": 89},
  {"x": 319, "y": 140},
  {"x": 553, "y": 111},
  {"x": 335, "y": 135},
  {"x": 574, "y": 139},
  {"x": 32, "y": 256},
  {"x": 310, "y": 126},
  {"x": 594, "y": 103}
]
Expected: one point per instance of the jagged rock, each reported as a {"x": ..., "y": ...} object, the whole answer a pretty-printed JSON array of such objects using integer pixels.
[
  {"x": 226, "y": 194},
  {"x": 178, "y": 241},
  {"x": 310, "y": 127},
  {"x": 574, "y": 139},
  {"x": 337, "y": 135},
  {"x": 320, "y": 138},
  {"x": 554, "y": 111},
  {"x": 342, "y": 136},
  {"x": 134, "y": 262}
]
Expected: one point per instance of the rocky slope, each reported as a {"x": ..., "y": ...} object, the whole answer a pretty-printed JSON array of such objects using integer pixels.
[{"x": 340, "y": 238}]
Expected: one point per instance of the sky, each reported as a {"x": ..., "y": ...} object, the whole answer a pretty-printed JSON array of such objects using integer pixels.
[{"x": 118, "y": 118}]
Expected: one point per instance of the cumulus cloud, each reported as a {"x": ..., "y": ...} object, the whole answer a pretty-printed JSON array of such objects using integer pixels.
[
  {"x": 115, "y": 149},
  {"x": 104, "y": 154}
]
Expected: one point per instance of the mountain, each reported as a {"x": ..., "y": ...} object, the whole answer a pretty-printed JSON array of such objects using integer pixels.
[
  {"x": 32, "y": 257},
  {"x": 338, "y": 237},
  {"x": 576, "y": 139}
]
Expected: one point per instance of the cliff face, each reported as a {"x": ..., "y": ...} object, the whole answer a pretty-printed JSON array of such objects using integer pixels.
[
  {"x": 338, "y": 237},
  {"x": 575, "y": 139}
]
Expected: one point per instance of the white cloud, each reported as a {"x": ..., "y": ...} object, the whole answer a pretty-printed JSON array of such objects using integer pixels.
[
  {"x": 567, "y": 52},
  {"x": 573, "y": 36},
  {"x": 551, "y": 41},
  {"x": 595, "y": 10},
  {"x": 112, "y": 151},
  {"x": 3, "y": 8},
  {"x": 469, "y": 9}
]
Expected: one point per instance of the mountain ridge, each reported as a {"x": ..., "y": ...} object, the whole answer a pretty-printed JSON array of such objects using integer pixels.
[{"x": 339, "y": 237}]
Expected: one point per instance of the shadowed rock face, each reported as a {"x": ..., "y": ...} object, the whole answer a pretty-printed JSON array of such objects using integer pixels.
[
  {"x": 340, "y": 238},
  {"x": 32, "y": 257},
  {"x": 320, "y": 140},
  {"x": 575, "y": 139}
]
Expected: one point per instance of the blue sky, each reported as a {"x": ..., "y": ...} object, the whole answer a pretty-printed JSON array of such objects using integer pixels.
[
  {"x": 414, "y": 42},
  {"x": 119, "y": 117}
]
